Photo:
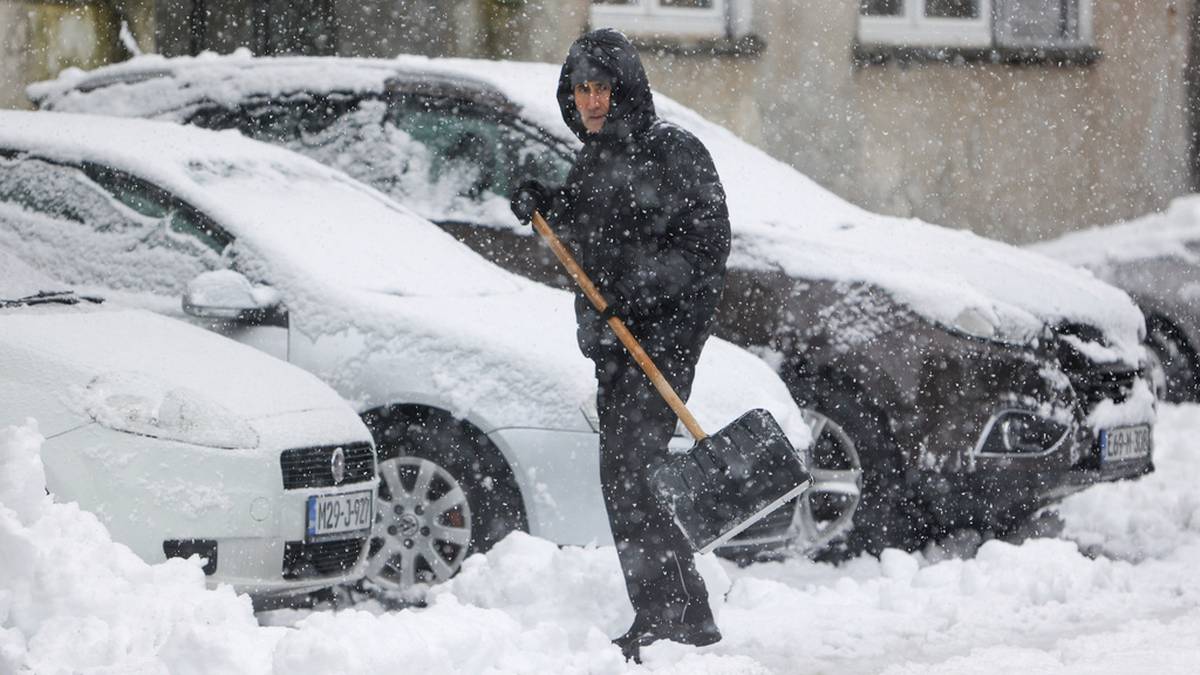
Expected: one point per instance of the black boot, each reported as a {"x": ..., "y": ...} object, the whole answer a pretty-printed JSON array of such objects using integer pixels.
[
  {"x": 630, "y": 642},
  {"x": 703, "y": 631}
]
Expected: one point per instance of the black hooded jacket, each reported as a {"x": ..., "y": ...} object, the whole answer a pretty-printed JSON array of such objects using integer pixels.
[{"x": 642, "y": 209}]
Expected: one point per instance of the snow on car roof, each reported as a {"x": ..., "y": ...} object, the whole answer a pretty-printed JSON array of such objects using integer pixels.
[
  {"x": 781, "y": 219},
  {"x": 1157, "y": 235}
]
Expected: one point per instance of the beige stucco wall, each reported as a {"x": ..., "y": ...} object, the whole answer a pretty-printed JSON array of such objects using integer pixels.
[
  {"x": 40, "y": 39},
  {"x": 1015, "y": 152}
]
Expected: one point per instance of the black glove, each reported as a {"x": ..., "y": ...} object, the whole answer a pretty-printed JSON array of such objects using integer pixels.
[
  {"x": 531, "y": 195},
  {"x": 619, "y": 295}
]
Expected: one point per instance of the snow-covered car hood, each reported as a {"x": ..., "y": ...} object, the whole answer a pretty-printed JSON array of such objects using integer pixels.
[
  {"x": 107, "y": 362},
  {"x": 781, "y": 219},
  {"x": 1172, "y": 233},
  {"x": 127, "y": 351},
  {"x": 345, "y": 257}
]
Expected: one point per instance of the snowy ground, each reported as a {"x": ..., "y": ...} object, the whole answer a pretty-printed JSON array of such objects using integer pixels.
[{"x": 1117, "y": 592}]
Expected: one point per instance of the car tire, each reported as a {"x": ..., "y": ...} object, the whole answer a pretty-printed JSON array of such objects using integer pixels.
[
  {"x": 444, "y": 493},
  {"x": 889, "y": 513},
  {"x": 1175, "y": 358}
]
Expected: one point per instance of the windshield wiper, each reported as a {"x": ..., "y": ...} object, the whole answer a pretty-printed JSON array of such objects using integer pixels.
[{"x": 48, "y": 297}]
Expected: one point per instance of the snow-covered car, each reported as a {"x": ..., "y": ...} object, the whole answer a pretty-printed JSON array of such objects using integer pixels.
[
  {"x": 978, "y": 381},
  {"x": 468, "y": 376},
  {"x": 1156, "y": 260},
  {"x": 185, "y": 443}
]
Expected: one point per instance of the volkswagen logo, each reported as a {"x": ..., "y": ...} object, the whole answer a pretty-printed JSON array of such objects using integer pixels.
[{"x": 337, "y": 465}]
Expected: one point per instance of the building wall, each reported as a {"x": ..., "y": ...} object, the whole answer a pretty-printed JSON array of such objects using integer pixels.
[
  {"x": 40, "y": 39},
  {"x": 525, "y": 29},
  {"x": 1017, "y": 152}
]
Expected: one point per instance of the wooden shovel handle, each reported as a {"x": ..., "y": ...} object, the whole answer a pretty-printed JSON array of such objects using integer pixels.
[{"x": 639, "y": 355}]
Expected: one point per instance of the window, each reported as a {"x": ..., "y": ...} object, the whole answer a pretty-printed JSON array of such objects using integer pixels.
[
  {"x": 447, "y": 159},
  {"x": 980, "y": 24},
  {"x": 936, "y": 23},
  {"x": 474, "y": 147},
  {"x": 92, "y": 225},
  {"x": 185, "y": 230},
  {"x": 704, "y": 19}
]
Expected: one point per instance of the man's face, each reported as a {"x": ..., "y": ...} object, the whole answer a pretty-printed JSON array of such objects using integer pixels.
[{"x": 592, "y": 100}]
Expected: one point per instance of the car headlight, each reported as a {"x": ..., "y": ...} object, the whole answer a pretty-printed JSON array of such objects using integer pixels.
[
  {"x": 1019, "y": 432},
  {"x": 140, "y": 404}
]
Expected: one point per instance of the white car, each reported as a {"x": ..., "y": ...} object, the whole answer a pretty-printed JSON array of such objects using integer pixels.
[
  {"x": 481, "y": 405},
  {"x": 185, "y": 443}
]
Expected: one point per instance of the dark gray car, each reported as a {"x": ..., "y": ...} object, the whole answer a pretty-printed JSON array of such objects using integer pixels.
[
  {"x": 1156, "y": 259},
  {"x": 979, "y": 382}
]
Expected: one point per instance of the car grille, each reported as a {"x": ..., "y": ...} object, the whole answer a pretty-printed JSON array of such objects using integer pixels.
[
  {"x": 1094, "y": 382},
  {"x": 313, "y": 467},
  {"x": 312, "y": 560},
  {"x": 1104, "y": 384}
]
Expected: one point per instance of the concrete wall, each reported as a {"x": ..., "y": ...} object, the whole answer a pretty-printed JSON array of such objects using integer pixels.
[
  {"x": 40, "y": 39},
  {"x": 523, "y": 29},
  {"x": 1017, "y": 152}
]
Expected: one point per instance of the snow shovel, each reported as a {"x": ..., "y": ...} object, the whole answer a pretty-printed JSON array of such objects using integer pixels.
[{"x": 726, "y": 482}]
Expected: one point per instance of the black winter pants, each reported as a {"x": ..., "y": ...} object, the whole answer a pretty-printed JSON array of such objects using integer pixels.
[{"x": 635, "y": 426}]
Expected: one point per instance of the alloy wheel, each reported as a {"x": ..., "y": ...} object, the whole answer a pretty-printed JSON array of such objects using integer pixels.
[
  {"x": 826, "y": 511},
  {"x": 422, "y": 530},
  {"x": 1173, "y": 362}
]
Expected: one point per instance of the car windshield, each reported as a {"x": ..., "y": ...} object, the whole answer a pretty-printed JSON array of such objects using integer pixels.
[{"x": 335, "y": 229}]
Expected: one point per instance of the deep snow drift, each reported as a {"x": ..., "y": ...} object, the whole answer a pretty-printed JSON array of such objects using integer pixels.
[{"x": 72, "y": 601}]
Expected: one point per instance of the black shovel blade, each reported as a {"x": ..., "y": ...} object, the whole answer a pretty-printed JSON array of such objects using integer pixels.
[{"x": 731, "y": 480}]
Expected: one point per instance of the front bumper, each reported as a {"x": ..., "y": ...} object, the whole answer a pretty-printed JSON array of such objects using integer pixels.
[
  {"x": 157, "y": 496},
  {"x": 1000, "y": 489}
]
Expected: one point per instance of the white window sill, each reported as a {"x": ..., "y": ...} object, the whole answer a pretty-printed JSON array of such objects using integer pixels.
[
  {"x": 678, "y": 23},
  {"x": 928, "y": 33},
  {"x": 866, "y": 55}
]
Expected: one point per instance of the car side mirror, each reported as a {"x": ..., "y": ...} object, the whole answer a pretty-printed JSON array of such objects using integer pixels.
[{"x": 228, "y": 295}]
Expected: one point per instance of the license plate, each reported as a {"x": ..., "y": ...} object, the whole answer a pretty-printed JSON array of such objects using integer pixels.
[
  {"x": 1118, "y": 445},
  {"x": 338, "y": 514}
]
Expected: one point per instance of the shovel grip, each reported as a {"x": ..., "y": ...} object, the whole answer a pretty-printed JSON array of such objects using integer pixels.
[{"x": 631, "y": 344}]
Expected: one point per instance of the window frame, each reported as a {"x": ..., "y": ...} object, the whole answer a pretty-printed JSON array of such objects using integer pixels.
[
  {"x": 467, "y": 107},
  {"x": 651, "y": 18},
  {"x": 914, "y": 29},
  {"x": 984, "y": 37},
  {"x": 99, "y": 174}
]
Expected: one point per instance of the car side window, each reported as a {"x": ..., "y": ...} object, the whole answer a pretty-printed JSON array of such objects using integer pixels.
[
  {"x": 447, "y": 159},
  {"x": 76, "y": 224},
  {"x": 185, "y": 229},
  {"x": 280, "y": 120},
  {"x": 55, "y": 191},
  {"x": 483, "y": 148},
  {"x": 342, "y": 131}
]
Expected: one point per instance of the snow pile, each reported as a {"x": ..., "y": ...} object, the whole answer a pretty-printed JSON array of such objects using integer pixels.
[
  {"x": 73, "y": 601},
  {"x": 1149, "y": 518}
]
